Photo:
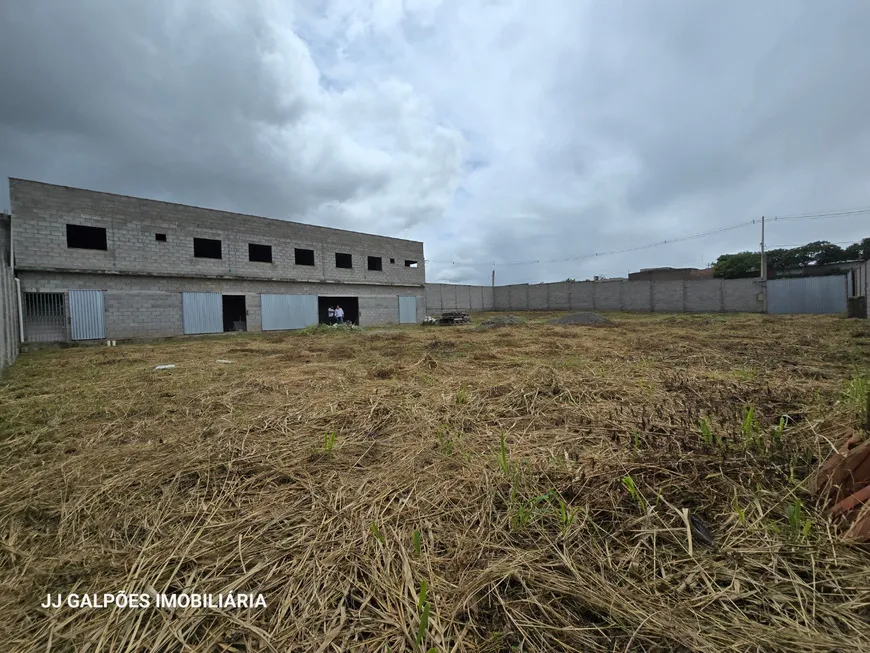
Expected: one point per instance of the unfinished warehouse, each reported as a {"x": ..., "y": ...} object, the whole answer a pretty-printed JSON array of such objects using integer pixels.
[{"x": 95, "y": 266}]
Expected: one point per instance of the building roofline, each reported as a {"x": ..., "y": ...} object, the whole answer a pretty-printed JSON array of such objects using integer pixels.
[{"x": 205, "y": 208}]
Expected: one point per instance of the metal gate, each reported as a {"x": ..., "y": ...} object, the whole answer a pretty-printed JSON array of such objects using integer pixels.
[
  {"x": 817, "y": 295},
  {"x": 407, "y": 310},
  {"x": 202, "y": 312},
  {"x": 44, "y": 316},
  {"x": 288, "y": 311},
  {"x": 86, "y": 314}
]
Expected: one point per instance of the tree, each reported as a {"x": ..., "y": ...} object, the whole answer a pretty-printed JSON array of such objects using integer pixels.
[
  {"x": 859, "y": 251},
  {"x": 853, "y": 252},
  {"x": 828, "y": 253},
  {"x": 737, "y": 266},
  {"x": 820, "y": 252}
]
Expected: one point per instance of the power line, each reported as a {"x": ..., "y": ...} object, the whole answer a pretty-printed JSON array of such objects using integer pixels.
[
  {"x": 818, "y": 216},
  {"x": 615, "y": 251},
  {"x": 803, "y": 216}
]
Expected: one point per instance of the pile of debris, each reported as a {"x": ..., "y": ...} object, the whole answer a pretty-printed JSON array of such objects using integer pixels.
[
  {"x": 590, "y": 319},
  {"x": 501, "y": 321},
  {"x": 454, "y": 317}
]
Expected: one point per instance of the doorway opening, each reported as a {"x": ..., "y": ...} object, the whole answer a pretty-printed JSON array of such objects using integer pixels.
[
  {"x": 44, "y": 317},
  {"x": 235, "y": 315},
  {"x": 350, "y": 305}
]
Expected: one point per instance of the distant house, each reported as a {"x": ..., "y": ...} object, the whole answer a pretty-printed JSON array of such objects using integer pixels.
[{"x": 670, "y": 274}]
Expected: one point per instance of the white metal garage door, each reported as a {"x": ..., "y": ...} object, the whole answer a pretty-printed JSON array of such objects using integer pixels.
[
  {"x": 202, "y": 312},
  {"x": 407, "y": 310},
  {"x": 86, "y": 314},
  {"x": 288, "y": 311}
]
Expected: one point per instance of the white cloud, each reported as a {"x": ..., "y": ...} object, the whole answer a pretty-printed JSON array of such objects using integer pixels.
[{"x": 495, "y": 131}]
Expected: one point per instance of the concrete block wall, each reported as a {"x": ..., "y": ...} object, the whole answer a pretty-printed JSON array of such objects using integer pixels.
[
  {"x": 607, "y": 295},
  {"x": 441, "y": 297},
  {"x": 683, "y": 296},
  {"x": 742, "y": 296},
  {"x": 144, "y": 306},
  {"x": 9, "y": 326},
  {"x": 539, "y": 296},
  {"x": 142, "y": 313},
  {"x": 559, "y": 296},
  {"x": 42, "y": 211},
  {"x": 382, "y": 310},
  {"x": 519, "y": 297},
  {"x": 501, "y": 298},
  {"x": 703, "y": 296},
  {"x": 638, "y": 296},
  {"x": 667, "y": 296},
  {"x": 580, "y": 296}
]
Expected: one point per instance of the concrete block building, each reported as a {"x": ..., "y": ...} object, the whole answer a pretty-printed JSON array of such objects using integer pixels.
[{"x": 97, "y": 266}]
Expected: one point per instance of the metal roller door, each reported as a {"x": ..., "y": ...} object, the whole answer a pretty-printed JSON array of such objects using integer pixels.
[
  {"x": 202, "y": 312},
  {"x": 86, "y": 314},
  {"x": 407, "y": 310},
  {"x": 281, "y": 312},
  {"x": 819, "y": 295}
]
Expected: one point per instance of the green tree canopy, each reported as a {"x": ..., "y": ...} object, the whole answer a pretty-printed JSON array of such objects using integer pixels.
[
  {"x": 820, "y": 252},
  {"x": 737, "y": 266}
]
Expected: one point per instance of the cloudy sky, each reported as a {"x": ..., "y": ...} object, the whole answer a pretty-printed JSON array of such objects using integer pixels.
[{"x": 496, "y": 131}]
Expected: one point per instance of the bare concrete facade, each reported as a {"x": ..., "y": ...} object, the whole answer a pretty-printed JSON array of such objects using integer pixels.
[{"x": 144, "y": 254}]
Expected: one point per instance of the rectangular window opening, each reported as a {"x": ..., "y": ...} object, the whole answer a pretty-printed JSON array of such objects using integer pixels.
[
  {"x": 161, "y": 238},
  {"x": 206, "y": 248},
  {"x": 392, "y": 260},
  {"x": 376, "y": 263},
  {"x": 410, "y": 264},
  {"x": 81, "y": 237},
  {"x": 343, "y": 260},
  {"x": 259, "y": 253},
  {"x": 304, "y": 256}
]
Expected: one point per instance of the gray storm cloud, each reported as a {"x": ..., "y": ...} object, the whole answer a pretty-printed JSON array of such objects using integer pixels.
[{"x": 495, "y": 132}]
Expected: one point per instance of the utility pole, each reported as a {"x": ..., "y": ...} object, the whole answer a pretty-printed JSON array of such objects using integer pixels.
[
  {"x": 763, "y": 261},
  {"x": 763, "y": 267},
  {"x": 493, "y": 278}
]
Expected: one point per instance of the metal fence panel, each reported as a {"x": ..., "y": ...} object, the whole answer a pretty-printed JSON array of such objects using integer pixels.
[
  {"x": 87, "y": 316},
  {"x": 281, "y": 312},
  {"x": 407, "y": 310},
  {"x": 44, "y": 316},
  {"x": 202, "y": 312},
  {"x": 811, "y": 295}
]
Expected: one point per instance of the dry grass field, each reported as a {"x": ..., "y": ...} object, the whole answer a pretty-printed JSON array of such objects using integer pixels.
[{"x": 446, "y": 488}]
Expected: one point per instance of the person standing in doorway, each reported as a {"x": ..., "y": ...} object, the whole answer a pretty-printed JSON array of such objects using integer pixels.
[
  {"x": 339, "y": 314},
  {"x": 330, "y": 315}
]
